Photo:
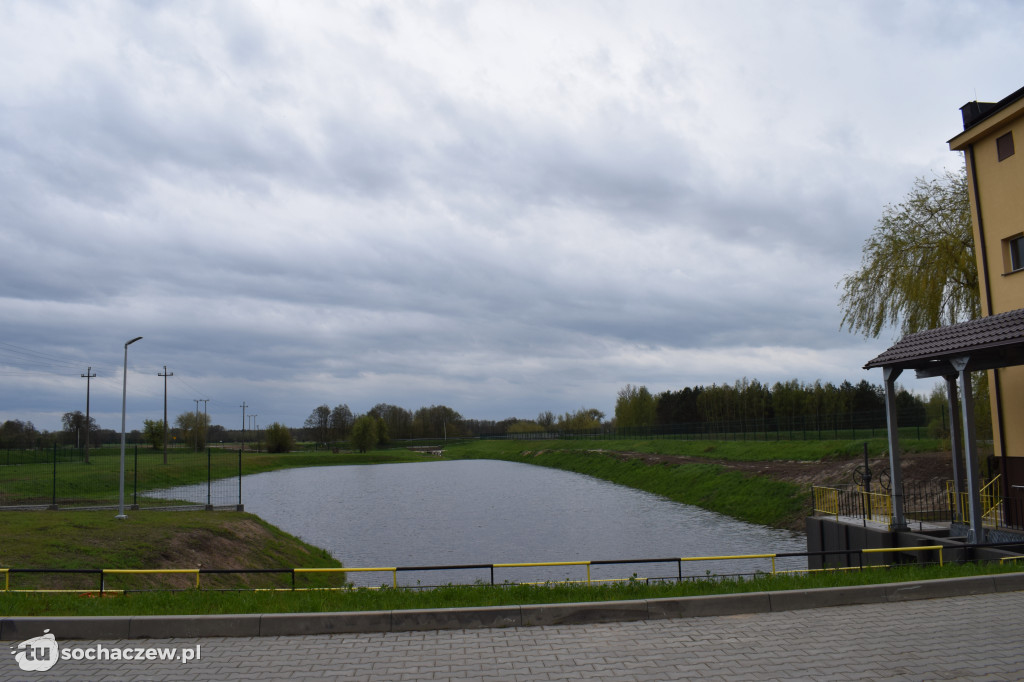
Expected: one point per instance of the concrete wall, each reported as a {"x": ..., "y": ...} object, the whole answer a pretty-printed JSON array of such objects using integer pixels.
[{"x": 825, "y": 534}]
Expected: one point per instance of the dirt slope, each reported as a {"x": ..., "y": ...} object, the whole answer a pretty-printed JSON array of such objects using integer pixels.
[{"x": 926, "y": 467}]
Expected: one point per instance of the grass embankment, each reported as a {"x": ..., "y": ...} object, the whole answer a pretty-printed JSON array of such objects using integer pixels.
[
  {"x": 453, "y": 596},
  {"x": 150, "y": 540},
  {"x": 737, "y": 451}
]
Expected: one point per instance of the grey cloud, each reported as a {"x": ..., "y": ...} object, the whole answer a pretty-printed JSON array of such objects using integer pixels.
[{"x": 294, "y": 217}]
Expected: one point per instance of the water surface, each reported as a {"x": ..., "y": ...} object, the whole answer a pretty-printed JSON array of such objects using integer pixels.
[{"x": 487, "y": 511}]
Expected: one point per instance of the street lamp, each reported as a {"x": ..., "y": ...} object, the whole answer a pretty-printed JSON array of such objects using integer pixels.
[{"x": 124, "y": 403}]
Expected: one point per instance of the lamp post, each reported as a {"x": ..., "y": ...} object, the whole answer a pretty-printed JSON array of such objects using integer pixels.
[{"x": 124, "y": 403}]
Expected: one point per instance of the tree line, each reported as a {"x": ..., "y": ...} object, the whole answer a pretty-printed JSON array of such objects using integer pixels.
[
  {"x": 18, "y": 434},
  {"x": 189, "y": 430},
  {"x": 792, "y": 405},
  {"x": 382, "y": 423},
  {"x": 749, "y": 403},
  {"x": 785, "y": 404}
]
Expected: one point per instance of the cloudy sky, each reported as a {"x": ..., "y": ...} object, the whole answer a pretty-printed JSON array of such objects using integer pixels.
[{"x": 504, "y": 207}]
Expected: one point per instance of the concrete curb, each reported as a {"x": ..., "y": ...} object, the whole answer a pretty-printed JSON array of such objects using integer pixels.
[{"x": 293, "y": 624}]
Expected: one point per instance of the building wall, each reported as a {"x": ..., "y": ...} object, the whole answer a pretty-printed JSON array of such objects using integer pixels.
[{"x": 999, "y": 188}]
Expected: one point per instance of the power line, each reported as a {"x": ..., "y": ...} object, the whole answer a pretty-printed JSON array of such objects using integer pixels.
[
  {"x": 32, "y": 360},
  {"x": 19, "y": 350}
]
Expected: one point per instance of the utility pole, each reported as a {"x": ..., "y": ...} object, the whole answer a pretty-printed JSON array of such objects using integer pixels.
[
  {"x": 88, "y": 379},
  {"x": 253, "y": 418},
  {"x": 197, "y": 423},
  {"x": 165, "y": 375},
  {"x": 243, "y": 424},
  {"x": 206, "y": 420}
]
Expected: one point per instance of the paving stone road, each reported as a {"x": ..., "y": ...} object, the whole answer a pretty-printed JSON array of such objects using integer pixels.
[{"x": 968, "y": 638}]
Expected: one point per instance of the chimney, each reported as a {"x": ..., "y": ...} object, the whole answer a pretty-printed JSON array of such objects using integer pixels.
[{"x": 972, "y": 112}]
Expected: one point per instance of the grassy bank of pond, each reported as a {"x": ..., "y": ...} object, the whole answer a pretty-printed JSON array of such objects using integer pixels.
[
  {"x": 152, "y": 539},
  {"x": 731, "y": 450}
]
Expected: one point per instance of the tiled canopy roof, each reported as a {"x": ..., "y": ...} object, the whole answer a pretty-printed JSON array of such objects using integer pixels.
[{"x": 994, "y": 341}]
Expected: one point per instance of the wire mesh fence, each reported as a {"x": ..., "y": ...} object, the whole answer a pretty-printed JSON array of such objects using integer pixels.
[
  {"x": 849, "y": 427},
  {"x": 71, "y": 478}
]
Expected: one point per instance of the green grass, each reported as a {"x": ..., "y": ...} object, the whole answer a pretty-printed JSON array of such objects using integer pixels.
[
  {"x": 147, "y": 540},
  {"x": 737, "y": 451},
  {"x": 453, "y": 596}
]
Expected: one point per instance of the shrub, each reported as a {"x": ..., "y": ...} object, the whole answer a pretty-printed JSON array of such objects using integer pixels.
[
  {"x": 366, "y": 433},
  {"x": 279, "y": 438}
]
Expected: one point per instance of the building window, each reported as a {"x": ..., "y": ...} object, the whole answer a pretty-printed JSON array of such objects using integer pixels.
[
  {"x": 1016, "y": 245},
  {"x": 1004, "y": 146}
]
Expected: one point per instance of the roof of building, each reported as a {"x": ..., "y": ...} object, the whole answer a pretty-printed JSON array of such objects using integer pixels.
[
  {"x": 976, "y": 113},
  {"x": 989, "y": 342}
]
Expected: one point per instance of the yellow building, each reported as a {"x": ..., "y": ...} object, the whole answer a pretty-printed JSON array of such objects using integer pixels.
[{"x": 995, "y": 177}]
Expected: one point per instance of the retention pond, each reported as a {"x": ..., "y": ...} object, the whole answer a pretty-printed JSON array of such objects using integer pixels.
[{"x": 490, "y": 512}]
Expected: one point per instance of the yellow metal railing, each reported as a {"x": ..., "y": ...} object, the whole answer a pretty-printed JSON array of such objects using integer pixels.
[
  {"x": 392, "y": 569},
  {"x": 882, "y": 550},
  {"x": 991, "y": 502},
  {"x": 826, "y": 501},
  {"x": 877, "y": 507},
  {"x": 951, "y": 501},
  {"x": 549, "y": 563}
]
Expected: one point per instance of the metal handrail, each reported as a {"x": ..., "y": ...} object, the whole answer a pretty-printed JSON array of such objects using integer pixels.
[{"x": 395, "y": 569}]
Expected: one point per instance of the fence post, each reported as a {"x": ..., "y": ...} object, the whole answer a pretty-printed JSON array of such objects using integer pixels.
[
  {"x": 53, "y": 503},
  {"x": 240, "y": 507},
  {"x": 209, "y": 505},
  {"x": 135, "y": 479}
]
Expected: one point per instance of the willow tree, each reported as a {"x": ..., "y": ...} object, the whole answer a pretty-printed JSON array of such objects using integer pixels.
[{"x": 918, "y": 269}]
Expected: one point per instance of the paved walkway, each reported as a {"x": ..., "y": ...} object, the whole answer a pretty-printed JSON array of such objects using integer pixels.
[{"x": 975, "y": 638}]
